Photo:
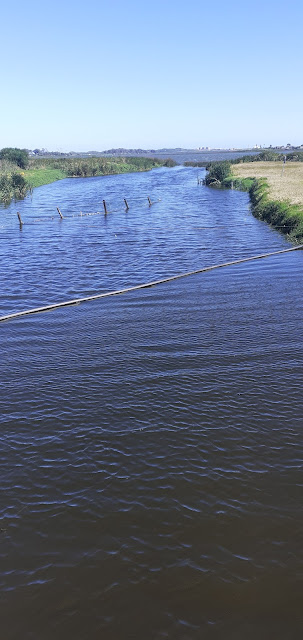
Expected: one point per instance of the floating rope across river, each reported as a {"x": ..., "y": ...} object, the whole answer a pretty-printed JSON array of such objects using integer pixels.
[{"x": 146, "y": 285}]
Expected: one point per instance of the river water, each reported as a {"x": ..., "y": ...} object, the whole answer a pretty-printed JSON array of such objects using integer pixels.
[{"x": 151, "y": 443}]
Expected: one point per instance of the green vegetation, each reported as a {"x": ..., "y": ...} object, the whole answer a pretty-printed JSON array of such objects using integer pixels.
[
  {"x": 16, "y": 156},
  {"x": 264, "y": 156},
  {"x": 12, "y": 183},
  {"x": 194, "y": 163},
  {"x": 217, "y": 173},
  {"x": 283, "y": 215},
  {"x": 15, "y": 183},
  {"x": 295, "y": 156},
  {"x": 240, "y": 184},
  {"x": 170, "y": 163},
  {"x": 38, "y": 177},
  {"x": 287, "y": 217},
  {"x": 89, "y": 167},
  {"x": 270, "y": 156}
]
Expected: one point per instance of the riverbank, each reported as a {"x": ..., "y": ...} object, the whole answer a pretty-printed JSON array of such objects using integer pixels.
[
  {"x": 285, "y": 181},
  {"x": 275, "y": 189},
  {"x": 16, "y": 182},
  {"x": 276, "y": 193}
]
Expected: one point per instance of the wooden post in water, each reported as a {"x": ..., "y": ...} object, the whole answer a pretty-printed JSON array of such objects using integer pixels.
[
  {"x": 149, "y": 201},
  {"x": 105, "y": 208},
  {"x": 20, "y": 219},
  {"x": 126, "y": 204},
  {"x": 60, "y": 214}
]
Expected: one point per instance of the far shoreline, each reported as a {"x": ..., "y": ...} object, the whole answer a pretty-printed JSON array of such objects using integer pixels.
[{"x": 16, "y": 183}]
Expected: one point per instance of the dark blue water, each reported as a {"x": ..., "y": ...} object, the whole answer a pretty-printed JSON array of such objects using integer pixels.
[{"x": 151, "y": 444}]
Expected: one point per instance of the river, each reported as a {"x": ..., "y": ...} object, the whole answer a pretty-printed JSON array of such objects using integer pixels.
[{"x": 151, "y": 443}]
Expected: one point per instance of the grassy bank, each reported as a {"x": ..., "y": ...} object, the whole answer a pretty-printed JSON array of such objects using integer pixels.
[
  {"x": 38, "y": 177},
  {"x": 276, "y": 194},
  {"x": 284, "y": 216},
  {"x": 275, "y": 189},
  {"x": 285, "y": 182},
  {"x": 16, "y": 182},
  {"x": 89, "y": 167}
]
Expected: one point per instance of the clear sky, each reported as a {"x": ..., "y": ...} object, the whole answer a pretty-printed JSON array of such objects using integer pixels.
[{"x": 94, "y": 75}]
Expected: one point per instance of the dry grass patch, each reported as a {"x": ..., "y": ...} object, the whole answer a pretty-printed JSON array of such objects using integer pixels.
[{"x": 285, "y": 181}]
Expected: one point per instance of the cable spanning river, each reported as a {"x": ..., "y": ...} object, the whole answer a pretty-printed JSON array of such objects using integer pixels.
[{"x": 151, "y": 443}]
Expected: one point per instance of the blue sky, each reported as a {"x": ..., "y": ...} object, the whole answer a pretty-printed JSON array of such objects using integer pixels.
[{"x": 96, "y": 75}]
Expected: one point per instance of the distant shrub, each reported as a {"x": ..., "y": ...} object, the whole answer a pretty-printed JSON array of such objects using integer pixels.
[
  {"x": 269, "y": 156},
  {"x": 194, "y": 163},
  {"x": 296, "y": 156},
  {"x": 16, "y": 156},
  {"x": 170, "y": 163}
]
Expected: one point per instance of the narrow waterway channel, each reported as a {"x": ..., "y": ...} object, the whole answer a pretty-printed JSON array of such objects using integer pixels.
[{"x": 151, "y": 444}]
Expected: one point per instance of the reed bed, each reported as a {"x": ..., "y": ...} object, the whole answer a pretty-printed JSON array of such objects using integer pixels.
[{"x": 16, "y": 182}]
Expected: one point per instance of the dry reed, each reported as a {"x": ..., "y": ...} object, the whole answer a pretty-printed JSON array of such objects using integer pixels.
[{"x": 285, "y": 181}]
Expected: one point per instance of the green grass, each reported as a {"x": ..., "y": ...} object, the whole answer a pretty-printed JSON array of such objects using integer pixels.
[
  {"x": 15, "y": 183},
  {"x": 38, "y": 177},
  {"x": 241, "y": 184},
  {"x": 93, "y": 166},
  {"x": 284, "y": 216}
]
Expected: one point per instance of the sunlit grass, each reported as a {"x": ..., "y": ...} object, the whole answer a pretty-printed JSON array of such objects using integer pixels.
[
  {"x": 285, "y": 182},
  {"x": 15, "y": 183},
  {"x": 38, "y": 177}
]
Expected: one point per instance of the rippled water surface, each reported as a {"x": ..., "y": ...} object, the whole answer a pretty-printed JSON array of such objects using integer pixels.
[{"x": 151, "y": 443}]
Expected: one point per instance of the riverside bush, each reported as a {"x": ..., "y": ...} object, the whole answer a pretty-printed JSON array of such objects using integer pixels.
[
  {"x": 12, "y": 185},
  {"x": 16, "y": 156},
  {"x": 217, "y": 173}
]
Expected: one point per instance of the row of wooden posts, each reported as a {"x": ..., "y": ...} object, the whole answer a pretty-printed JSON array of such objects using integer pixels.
[{"x": 106, "y": 211}]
